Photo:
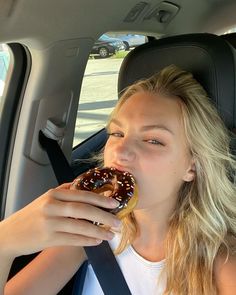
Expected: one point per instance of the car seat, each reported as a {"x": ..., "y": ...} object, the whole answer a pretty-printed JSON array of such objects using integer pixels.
[
  {"x": 231, "y": 38},
  {"x": 208, "y": 57}
]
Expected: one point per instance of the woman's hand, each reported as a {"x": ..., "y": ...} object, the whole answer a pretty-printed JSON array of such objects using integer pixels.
[{"x": 60, "y": 217}]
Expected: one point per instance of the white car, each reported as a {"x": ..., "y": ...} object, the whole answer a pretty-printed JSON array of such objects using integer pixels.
[
  {"x": 1, "y": 87},
  {"x": 131, "y": 40}
]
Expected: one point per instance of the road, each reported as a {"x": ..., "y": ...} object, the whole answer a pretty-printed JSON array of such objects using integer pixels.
[{"x": 98, "y": 96}]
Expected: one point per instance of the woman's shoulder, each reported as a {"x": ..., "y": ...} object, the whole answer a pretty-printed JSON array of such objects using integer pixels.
[{"x": 225, "y": 273}]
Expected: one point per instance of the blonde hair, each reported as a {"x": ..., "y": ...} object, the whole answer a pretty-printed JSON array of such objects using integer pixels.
[{"x": 204, "y": 220}]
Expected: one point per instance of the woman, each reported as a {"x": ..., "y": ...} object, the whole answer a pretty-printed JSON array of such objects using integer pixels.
[{"x": 182, "y": 231}]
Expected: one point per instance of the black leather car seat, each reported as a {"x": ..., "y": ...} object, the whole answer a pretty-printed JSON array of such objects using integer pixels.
[
  {"x": 207, "y": 56},
  {"x": 231, "y": 38}
]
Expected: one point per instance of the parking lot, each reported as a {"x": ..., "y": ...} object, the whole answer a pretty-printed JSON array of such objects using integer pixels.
[{"x": 99, "y": 85}]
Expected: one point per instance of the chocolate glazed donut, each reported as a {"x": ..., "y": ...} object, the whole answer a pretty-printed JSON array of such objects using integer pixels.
[{"x": 119, "y": 185}]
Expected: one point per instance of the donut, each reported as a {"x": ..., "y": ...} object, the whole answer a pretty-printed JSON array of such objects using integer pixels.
[{"x": 113, "y": 183}]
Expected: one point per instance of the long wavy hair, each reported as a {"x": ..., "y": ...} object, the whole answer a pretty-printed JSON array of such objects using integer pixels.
[{"x": 203, "y": 223}]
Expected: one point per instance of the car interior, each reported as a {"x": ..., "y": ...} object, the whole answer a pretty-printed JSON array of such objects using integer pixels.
[{"x": 49, "y": 45}]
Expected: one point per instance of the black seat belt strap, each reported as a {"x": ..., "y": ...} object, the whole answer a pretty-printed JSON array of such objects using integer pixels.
[
  {"x": 60, "y": 165},
  {"x": 80, "y": 279},
  {"x": 101, "y": 257}
]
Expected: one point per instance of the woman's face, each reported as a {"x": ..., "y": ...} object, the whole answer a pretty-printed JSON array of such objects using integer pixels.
[{"x": 146, "y": 138}]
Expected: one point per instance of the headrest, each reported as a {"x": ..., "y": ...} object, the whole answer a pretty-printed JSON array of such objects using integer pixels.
[
  {"x": 208, "y": 57},
  {"x": 231, "y": 38}
]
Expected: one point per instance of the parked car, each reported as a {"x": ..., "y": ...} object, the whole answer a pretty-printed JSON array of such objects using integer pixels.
[
  {"x": 131, "y": 40},
  {"x": 106, "y": 46}
]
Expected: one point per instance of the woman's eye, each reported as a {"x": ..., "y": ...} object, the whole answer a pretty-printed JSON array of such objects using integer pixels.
[
  {"x": 115, "y": 134},
  {"x": 153, "y": 141}
]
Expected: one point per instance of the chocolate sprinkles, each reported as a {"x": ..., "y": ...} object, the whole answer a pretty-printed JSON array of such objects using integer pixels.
[{"x": 120, "y": 183}]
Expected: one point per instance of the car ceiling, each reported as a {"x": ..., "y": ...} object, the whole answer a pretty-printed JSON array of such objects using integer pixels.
[{"x": 39, "y": 23}]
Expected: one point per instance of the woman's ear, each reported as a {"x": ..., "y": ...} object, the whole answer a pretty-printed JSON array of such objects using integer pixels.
[{"x": 190, "y": 173}]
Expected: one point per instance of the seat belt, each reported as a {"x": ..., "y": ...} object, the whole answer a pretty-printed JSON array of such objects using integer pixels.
[{"x": 100, "y": 257}]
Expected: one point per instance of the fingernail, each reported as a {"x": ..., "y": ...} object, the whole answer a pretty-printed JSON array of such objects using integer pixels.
[
  {"x": 114, "y": 203},
  {"x": 98, "y": 241},
  {"x": 117, "y": 222},
  {"x": 110, "y": 235}
]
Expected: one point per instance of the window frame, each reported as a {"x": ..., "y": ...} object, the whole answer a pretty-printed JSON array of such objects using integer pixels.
[{"x": 10, "y": 105}]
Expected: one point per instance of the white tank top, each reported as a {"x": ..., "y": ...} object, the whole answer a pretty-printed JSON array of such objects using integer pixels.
[{"x": 141, "y": 275}]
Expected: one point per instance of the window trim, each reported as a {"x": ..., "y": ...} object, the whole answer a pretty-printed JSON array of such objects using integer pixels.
[{"x": 10, "y": 106}]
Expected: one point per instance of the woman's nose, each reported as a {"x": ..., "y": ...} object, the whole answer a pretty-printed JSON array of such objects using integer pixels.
[{"x": 125, "y": 151}]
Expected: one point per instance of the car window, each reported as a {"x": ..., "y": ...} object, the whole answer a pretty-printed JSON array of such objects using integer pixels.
[
  {"x": 99, "y": 88},
  {"x": 4, "y": 66}
]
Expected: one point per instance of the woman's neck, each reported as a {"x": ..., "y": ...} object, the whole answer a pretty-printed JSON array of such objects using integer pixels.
[{"x": 152, "y": 230}]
